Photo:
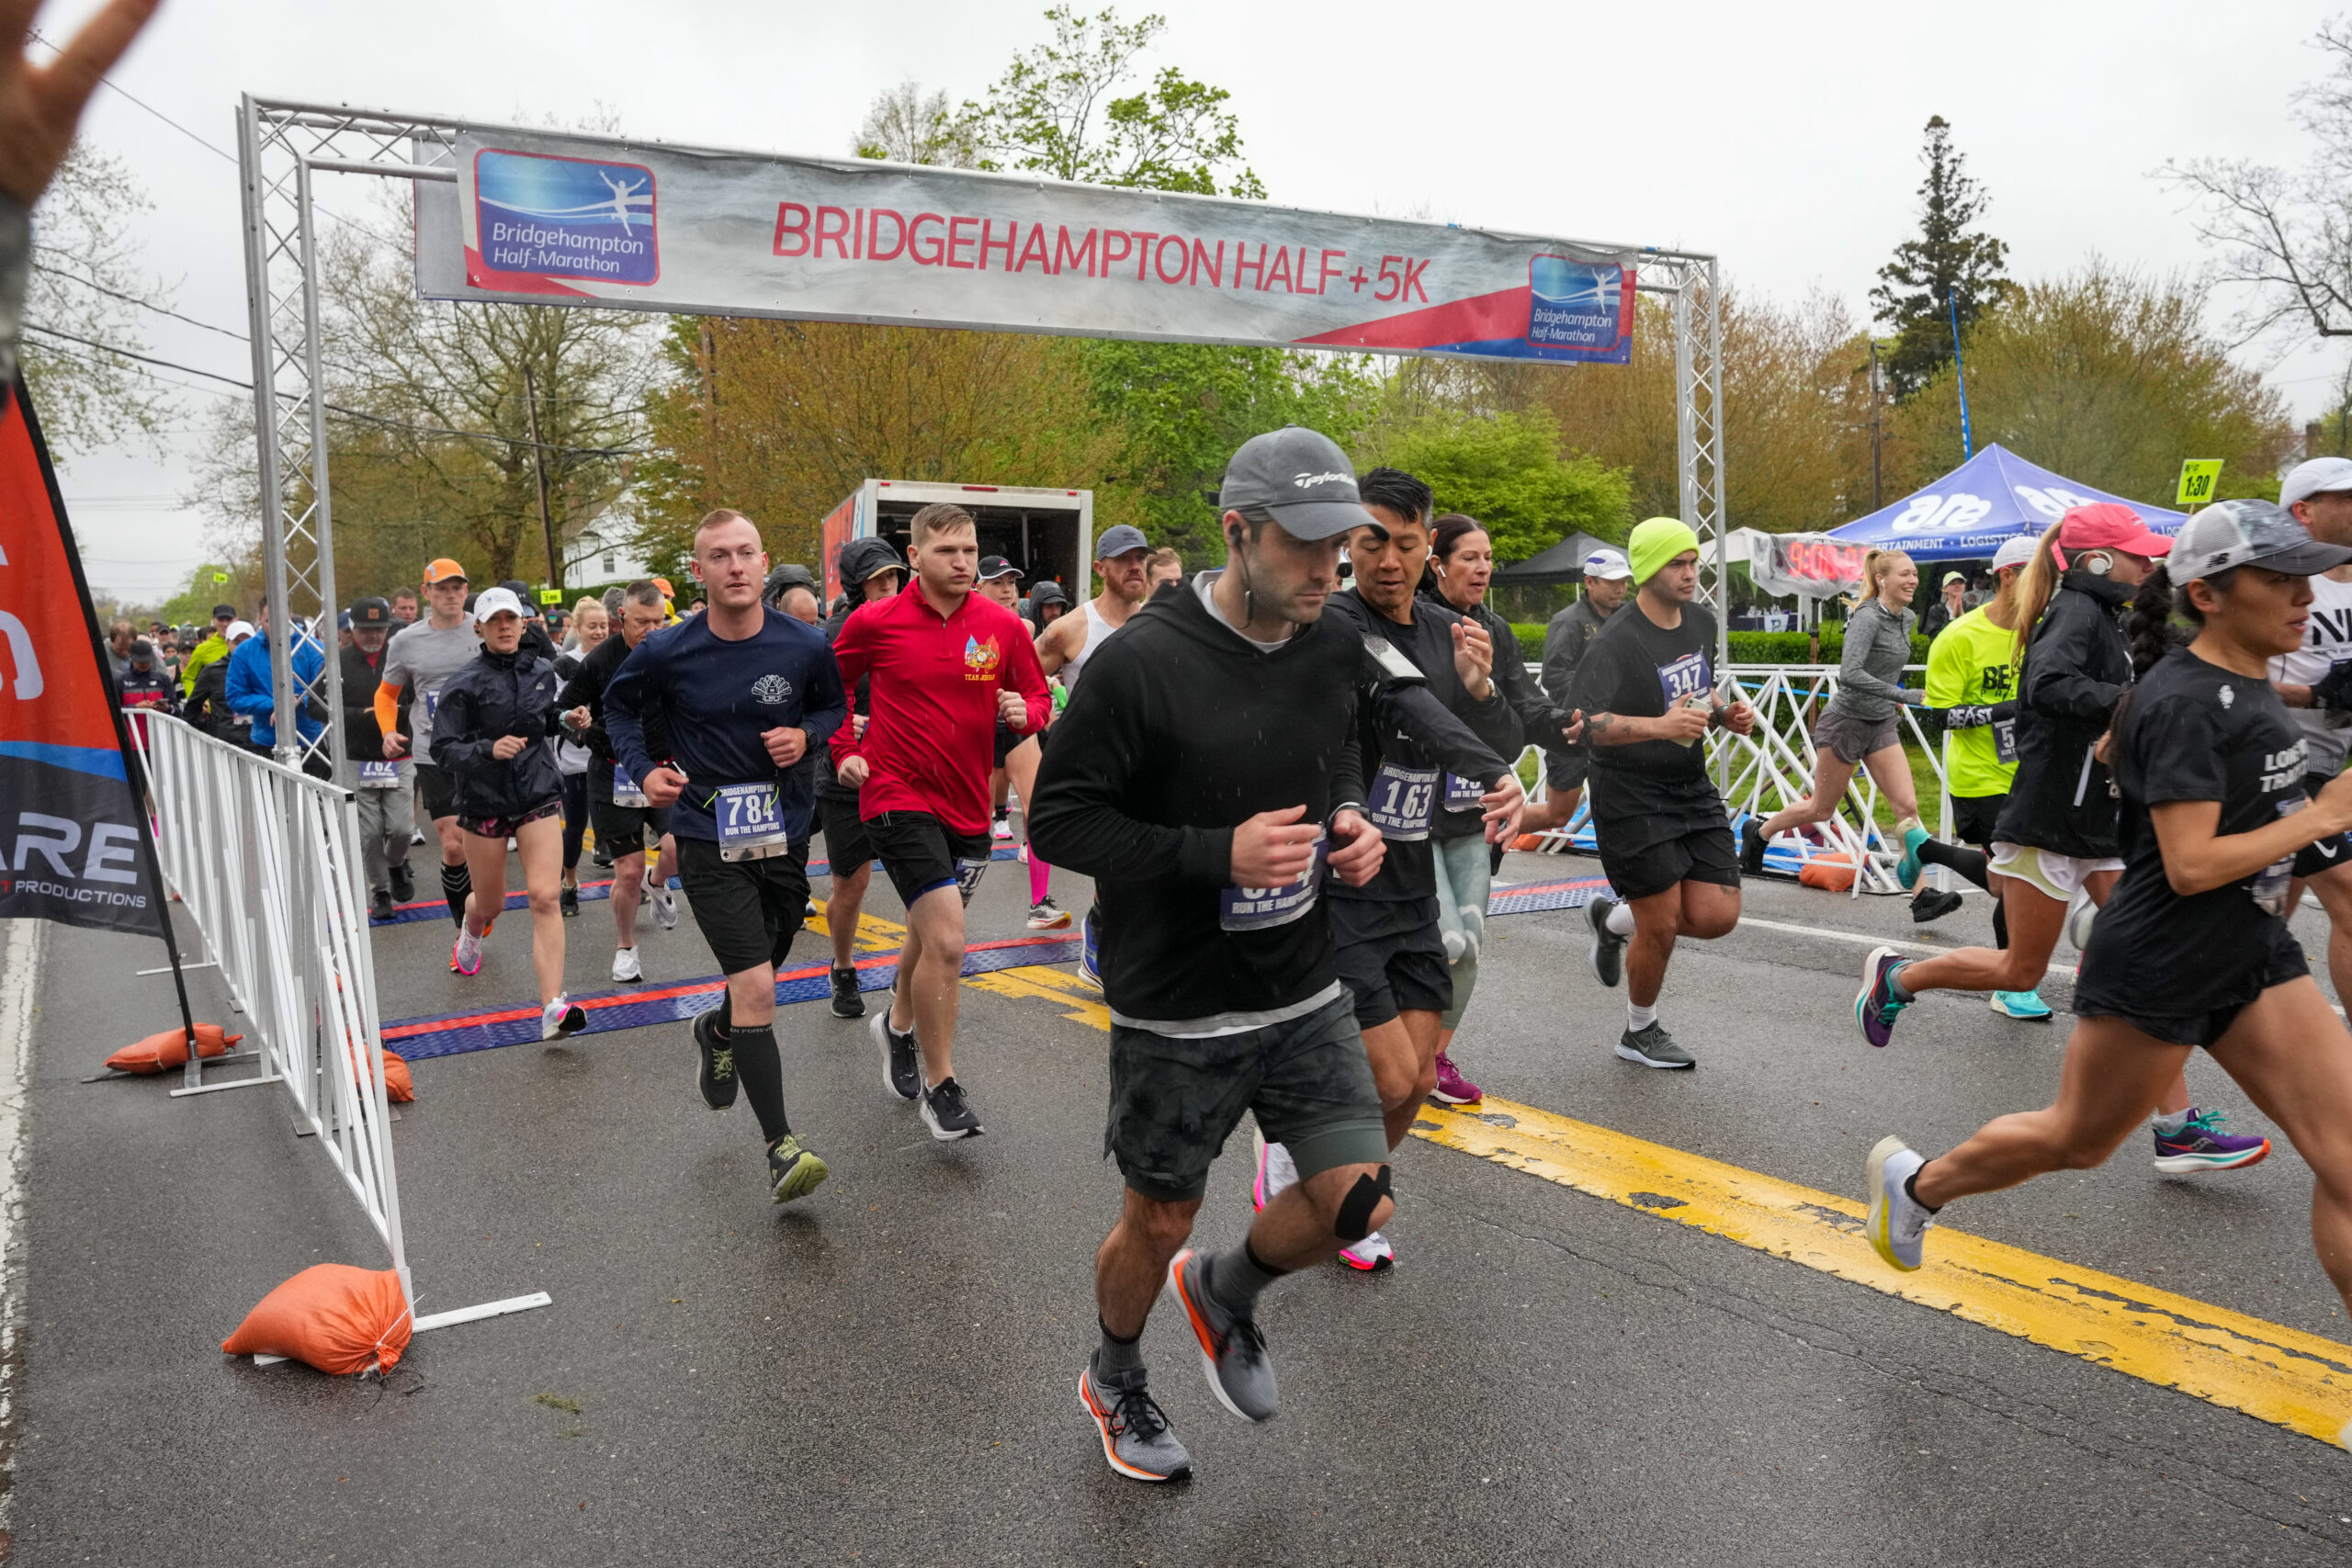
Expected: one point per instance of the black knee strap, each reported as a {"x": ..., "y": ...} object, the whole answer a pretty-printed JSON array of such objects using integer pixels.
[{"x": 1354, "y": 1222}]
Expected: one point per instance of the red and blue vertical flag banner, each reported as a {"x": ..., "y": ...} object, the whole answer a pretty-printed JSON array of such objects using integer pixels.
[{"x": 73, "y": 844}]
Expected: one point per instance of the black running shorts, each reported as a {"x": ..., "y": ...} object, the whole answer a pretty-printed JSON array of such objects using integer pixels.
[
  {"x": 2095, "y": 998},
  {"x": 1972, "y": 817},
  {"x": 2328, "y": 853},
  {"x": 921, "y": 854},
  {"x": 846, "y": 846},
  {"x": 1174, "y": 1103},
  {"x": 438, "y": 790},
  {"x": 1391, "y": 957},
  {"x": 749, "y": 910},
  {"x": 1564, "y": 768},
  {"x": 1007, "y": 742},
  {"x": 1696, "y": 854},
  {"x": 504, "y": 827},
  {"x": 622, "y": 829}
]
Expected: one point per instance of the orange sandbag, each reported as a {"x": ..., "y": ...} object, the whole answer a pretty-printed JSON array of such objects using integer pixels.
[
  {"x": 1832, "y": 872},
  {"x": 1529, "y": 841},
  {"x": 163, "y": 1052},
  {"x": 399, "y": 1087},
  {"x": 332, "y": 1316}
]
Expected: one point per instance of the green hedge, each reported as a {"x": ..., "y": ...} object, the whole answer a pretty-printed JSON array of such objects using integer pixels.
[{"x": 1748, "y": 648}]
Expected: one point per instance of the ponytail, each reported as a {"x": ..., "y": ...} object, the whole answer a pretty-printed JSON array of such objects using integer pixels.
[
  {"x": 1876, "y": 566},
  {"x": 2036, "y": 584}
]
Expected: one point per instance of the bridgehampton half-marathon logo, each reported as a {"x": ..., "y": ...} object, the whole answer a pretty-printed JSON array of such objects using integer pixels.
[
  {"x": 567, "y": 217},
  {"x": 1574, "y": 304}
]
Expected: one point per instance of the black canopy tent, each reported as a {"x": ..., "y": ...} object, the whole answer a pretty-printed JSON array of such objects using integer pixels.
[{"x": 1563, "y": 562}]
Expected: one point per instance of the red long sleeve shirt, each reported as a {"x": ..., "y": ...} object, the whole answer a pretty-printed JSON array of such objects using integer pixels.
[{"x": 930, "y": 741}]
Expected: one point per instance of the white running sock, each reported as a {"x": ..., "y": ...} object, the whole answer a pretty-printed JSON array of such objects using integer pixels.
[
  {"x": 1639, "y": 1019},
  {"x": 1620, "y": 920}
]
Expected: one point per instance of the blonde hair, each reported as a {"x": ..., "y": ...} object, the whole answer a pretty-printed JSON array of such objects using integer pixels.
[
  {"x": 587, "y": 602},
  {"x": 1875, "y": 567},
  {"x": 2036, "y": 583}
]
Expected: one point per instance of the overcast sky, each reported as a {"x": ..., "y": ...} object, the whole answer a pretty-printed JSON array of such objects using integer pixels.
[{"x": 1783, "y": 138}]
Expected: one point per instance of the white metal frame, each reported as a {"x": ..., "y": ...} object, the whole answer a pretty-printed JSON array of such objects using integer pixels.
[
  {"x": 266, "y": 860},
  {"x": 282, "y": 145},
  {"x": 1759, "y": 773}
]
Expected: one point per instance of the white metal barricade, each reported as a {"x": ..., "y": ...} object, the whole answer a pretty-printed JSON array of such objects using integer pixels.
[
  {"x": 1759, "y": 773},
  {"x": 266, "y": 860}
]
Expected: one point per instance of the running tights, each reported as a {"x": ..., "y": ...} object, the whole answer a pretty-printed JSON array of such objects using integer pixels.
[{"x": 456, "y": 883}]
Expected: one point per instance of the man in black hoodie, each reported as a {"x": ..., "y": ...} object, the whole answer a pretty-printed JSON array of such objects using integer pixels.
[
  {"x": 1206, "y": 775},
  {"x": 870, "y": 569}
]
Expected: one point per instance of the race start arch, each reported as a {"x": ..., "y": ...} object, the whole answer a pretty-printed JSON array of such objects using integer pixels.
[{"x": 506, "y": 214}]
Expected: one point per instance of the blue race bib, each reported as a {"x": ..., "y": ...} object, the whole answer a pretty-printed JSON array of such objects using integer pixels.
[{"x": 1403, "y": 801}]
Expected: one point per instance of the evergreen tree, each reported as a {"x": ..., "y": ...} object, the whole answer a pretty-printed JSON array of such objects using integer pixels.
[{"x": 1946, "y": 269}]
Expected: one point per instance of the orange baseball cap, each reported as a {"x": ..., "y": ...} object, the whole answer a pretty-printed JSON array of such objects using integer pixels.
[
  {"x": 441, "y": 569},
  {"x": 663, "y": 584}
]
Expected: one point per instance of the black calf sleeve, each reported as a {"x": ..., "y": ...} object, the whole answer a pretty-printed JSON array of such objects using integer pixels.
[
  {"x": 1354, "y": 1222},
  {"x": 1970, "y": 863},
  {"x": 760, "y": 1068},
  {"x": 456, "y": 883}
]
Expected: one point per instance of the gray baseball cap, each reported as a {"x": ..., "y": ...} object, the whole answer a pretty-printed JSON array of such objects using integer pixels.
[
  {"x": 1119, "y": 540},
  {"x": 2248, "y": 532},
  {"x": 1298, "y": 477}
]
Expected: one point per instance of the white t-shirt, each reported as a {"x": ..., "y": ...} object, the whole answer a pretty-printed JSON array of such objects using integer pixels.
[{"x": 2328, "y": 639}]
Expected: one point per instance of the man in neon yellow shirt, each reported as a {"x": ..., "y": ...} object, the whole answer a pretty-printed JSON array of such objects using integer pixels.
[{"x": 1972, "y": 685}]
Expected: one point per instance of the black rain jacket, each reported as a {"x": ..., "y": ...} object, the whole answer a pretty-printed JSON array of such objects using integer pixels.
[{"x": 499, "y": 695}]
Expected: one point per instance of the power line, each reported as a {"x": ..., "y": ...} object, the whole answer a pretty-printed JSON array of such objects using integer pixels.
[
  {"x": 143, "y": 104},
  {"x": 92, "y": 283},
  {"x": 335, "y": 408}
]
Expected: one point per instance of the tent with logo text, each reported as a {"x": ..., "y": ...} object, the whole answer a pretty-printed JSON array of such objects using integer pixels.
[{"x": 1972, "y": 510}]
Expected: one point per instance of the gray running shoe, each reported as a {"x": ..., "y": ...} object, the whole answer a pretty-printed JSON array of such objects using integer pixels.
[
  {"x": 1136, "y": 1437},
  {"x": 1608, "y": 947},
  {"x": 1654, "y": 1047},
  {"x": 1898, "y": 1223},
  {"x": 1233, "y": 1353}
]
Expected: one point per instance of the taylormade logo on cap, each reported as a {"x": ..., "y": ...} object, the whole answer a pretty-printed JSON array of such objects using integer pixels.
[{"x": 1304, "y": 481}]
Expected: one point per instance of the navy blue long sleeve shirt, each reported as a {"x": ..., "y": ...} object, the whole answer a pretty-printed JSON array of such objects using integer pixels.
[{"x": 719, "y": 697}]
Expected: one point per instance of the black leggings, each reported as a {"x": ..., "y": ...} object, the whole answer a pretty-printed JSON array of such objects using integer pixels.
[{"x": 575, "y": 816}]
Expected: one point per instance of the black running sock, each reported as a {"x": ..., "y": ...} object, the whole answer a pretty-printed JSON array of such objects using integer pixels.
[
  {"x": 2000, "y": 925},
  {"x": 1913, "y": 1192},
  {"x": 456, "y": 883},
  {"x": 1115, "y": 1356},
  {"x": 1234, "y": 1278},
  {"x": 1970, "y": 863},
  {"x": 760, "y": 1068},
  {"x": 722, "y": 1018}
]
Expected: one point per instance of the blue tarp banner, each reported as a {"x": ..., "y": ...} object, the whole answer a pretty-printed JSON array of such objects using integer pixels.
[{"x": 1994, "y": 497}]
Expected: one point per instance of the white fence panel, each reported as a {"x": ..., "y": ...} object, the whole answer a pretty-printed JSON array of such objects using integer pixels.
[{"x": 266, "y": 861}]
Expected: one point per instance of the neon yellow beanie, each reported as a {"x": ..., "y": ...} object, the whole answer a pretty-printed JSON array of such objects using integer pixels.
[{"x": 1656, "y": 542}]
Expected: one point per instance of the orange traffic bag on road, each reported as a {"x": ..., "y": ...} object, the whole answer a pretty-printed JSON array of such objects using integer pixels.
[
  {"x": 398, "y": 1088},
  {"x": 160, "y": 1053},
  {"x": 332, "y": 1316},
  {"x": 1834, "y": 871}
]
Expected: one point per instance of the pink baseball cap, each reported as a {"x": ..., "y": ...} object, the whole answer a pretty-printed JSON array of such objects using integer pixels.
[{"x": 2106, "y": 525}]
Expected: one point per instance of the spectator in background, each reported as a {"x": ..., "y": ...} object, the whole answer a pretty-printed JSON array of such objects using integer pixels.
[
  {"x": 119, "y": 637},
  {"x": 1166, "y": 567},
  {"x": 386, "y": 787},
  {"x": 590, "y": 625},
  {"x": 799, "y": 601},
  {"x": 208, "y": 701},
  {"x": 405, "y": 606},
  {"x": 144, "y": 684},
  {"x": 249, "y": 691},
  {"x": 1950, "y": 607},
  {"x": 1047, "y": 604},
  {"x": 214, "y": 647}
]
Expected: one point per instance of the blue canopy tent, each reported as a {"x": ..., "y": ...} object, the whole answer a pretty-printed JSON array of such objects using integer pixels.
[{"x": 1993, "y": 498}]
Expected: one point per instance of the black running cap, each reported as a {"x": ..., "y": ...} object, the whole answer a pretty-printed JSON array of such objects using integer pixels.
[
  {"x": 1300, "y": 478},
  {"x": 861, "y": 559}
]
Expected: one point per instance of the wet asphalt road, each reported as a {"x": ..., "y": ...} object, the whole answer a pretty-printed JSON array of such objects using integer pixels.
[{"x": 885, "y": 1374}]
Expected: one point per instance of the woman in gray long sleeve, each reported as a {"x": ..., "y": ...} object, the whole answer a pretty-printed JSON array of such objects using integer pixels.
[{"x": 1860, "y": 728}]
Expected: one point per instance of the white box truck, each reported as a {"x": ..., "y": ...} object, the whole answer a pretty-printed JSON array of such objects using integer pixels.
[{"x": 1048, "y": 534}]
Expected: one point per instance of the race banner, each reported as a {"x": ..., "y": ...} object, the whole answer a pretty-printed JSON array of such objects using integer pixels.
[
  {"x": 71, "y": 846},
  {"x": 548, "y": 219}
]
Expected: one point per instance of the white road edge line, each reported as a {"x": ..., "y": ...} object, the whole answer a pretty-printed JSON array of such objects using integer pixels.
[{"x": 19, "y": 980}]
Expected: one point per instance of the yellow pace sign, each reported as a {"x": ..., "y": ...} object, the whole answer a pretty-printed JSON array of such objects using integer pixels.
[
  {"x": 2198, "y": 478},
  {"x": 550, "y": 595}
]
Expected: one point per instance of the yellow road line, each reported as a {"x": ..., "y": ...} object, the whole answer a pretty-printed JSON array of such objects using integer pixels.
[
  {"x": 2270, "y": 1372},
  {"x": 2279, "y": 1374}
]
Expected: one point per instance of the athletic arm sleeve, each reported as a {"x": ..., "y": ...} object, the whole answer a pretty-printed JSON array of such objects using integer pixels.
[
  {"x": 2053, "y": 681},
  {"x": 387, "y": 708},
  {"x": 633, "y": 685},
  {"x": 1973, "y": 716},
  {"x": 1076, "y": 821}
]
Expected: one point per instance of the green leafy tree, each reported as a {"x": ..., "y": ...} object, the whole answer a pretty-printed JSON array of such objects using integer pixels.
[
  {"x": 1506, "y": 470},
  {"x": 907, "y": 125},
  {"x": 208, "y": 584},
  {"x": 89, "y": 281},
  {"x": 1947, "y": 268},
  {"x": 1057, "y": 111}
]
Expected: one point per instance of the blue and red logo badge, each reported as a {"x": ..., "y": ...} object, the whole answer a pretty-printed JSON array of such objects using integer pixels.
[{"x": 573, "y": 217}]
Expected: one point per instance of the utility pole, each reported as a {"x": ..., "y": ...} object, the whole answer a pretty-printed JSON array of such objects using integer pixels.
[
  {"x": 539, "y": 464},
  {"x": 1875, "y": 501}
]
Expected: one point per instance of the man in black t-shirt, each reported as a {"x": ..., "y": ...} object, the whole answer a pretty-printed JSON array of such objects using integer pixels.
[{"x": 1648, "y": 685}]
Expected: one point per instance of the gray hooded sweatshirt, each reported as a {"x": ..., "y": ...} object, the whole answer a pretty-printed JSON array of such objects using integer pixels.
[{"x": 1870, "y": 675}]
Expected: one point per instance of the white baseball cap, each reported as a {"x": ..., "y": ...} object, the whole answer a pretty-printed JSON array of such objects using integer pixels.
[
  {"x": 238, "y": 629},
  {"x": 2307, "y": 479},
  {"x": 491, "y": 601},
  {"x": 1607, "y": 565},
  {"x": 2014, "y": 552}
]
